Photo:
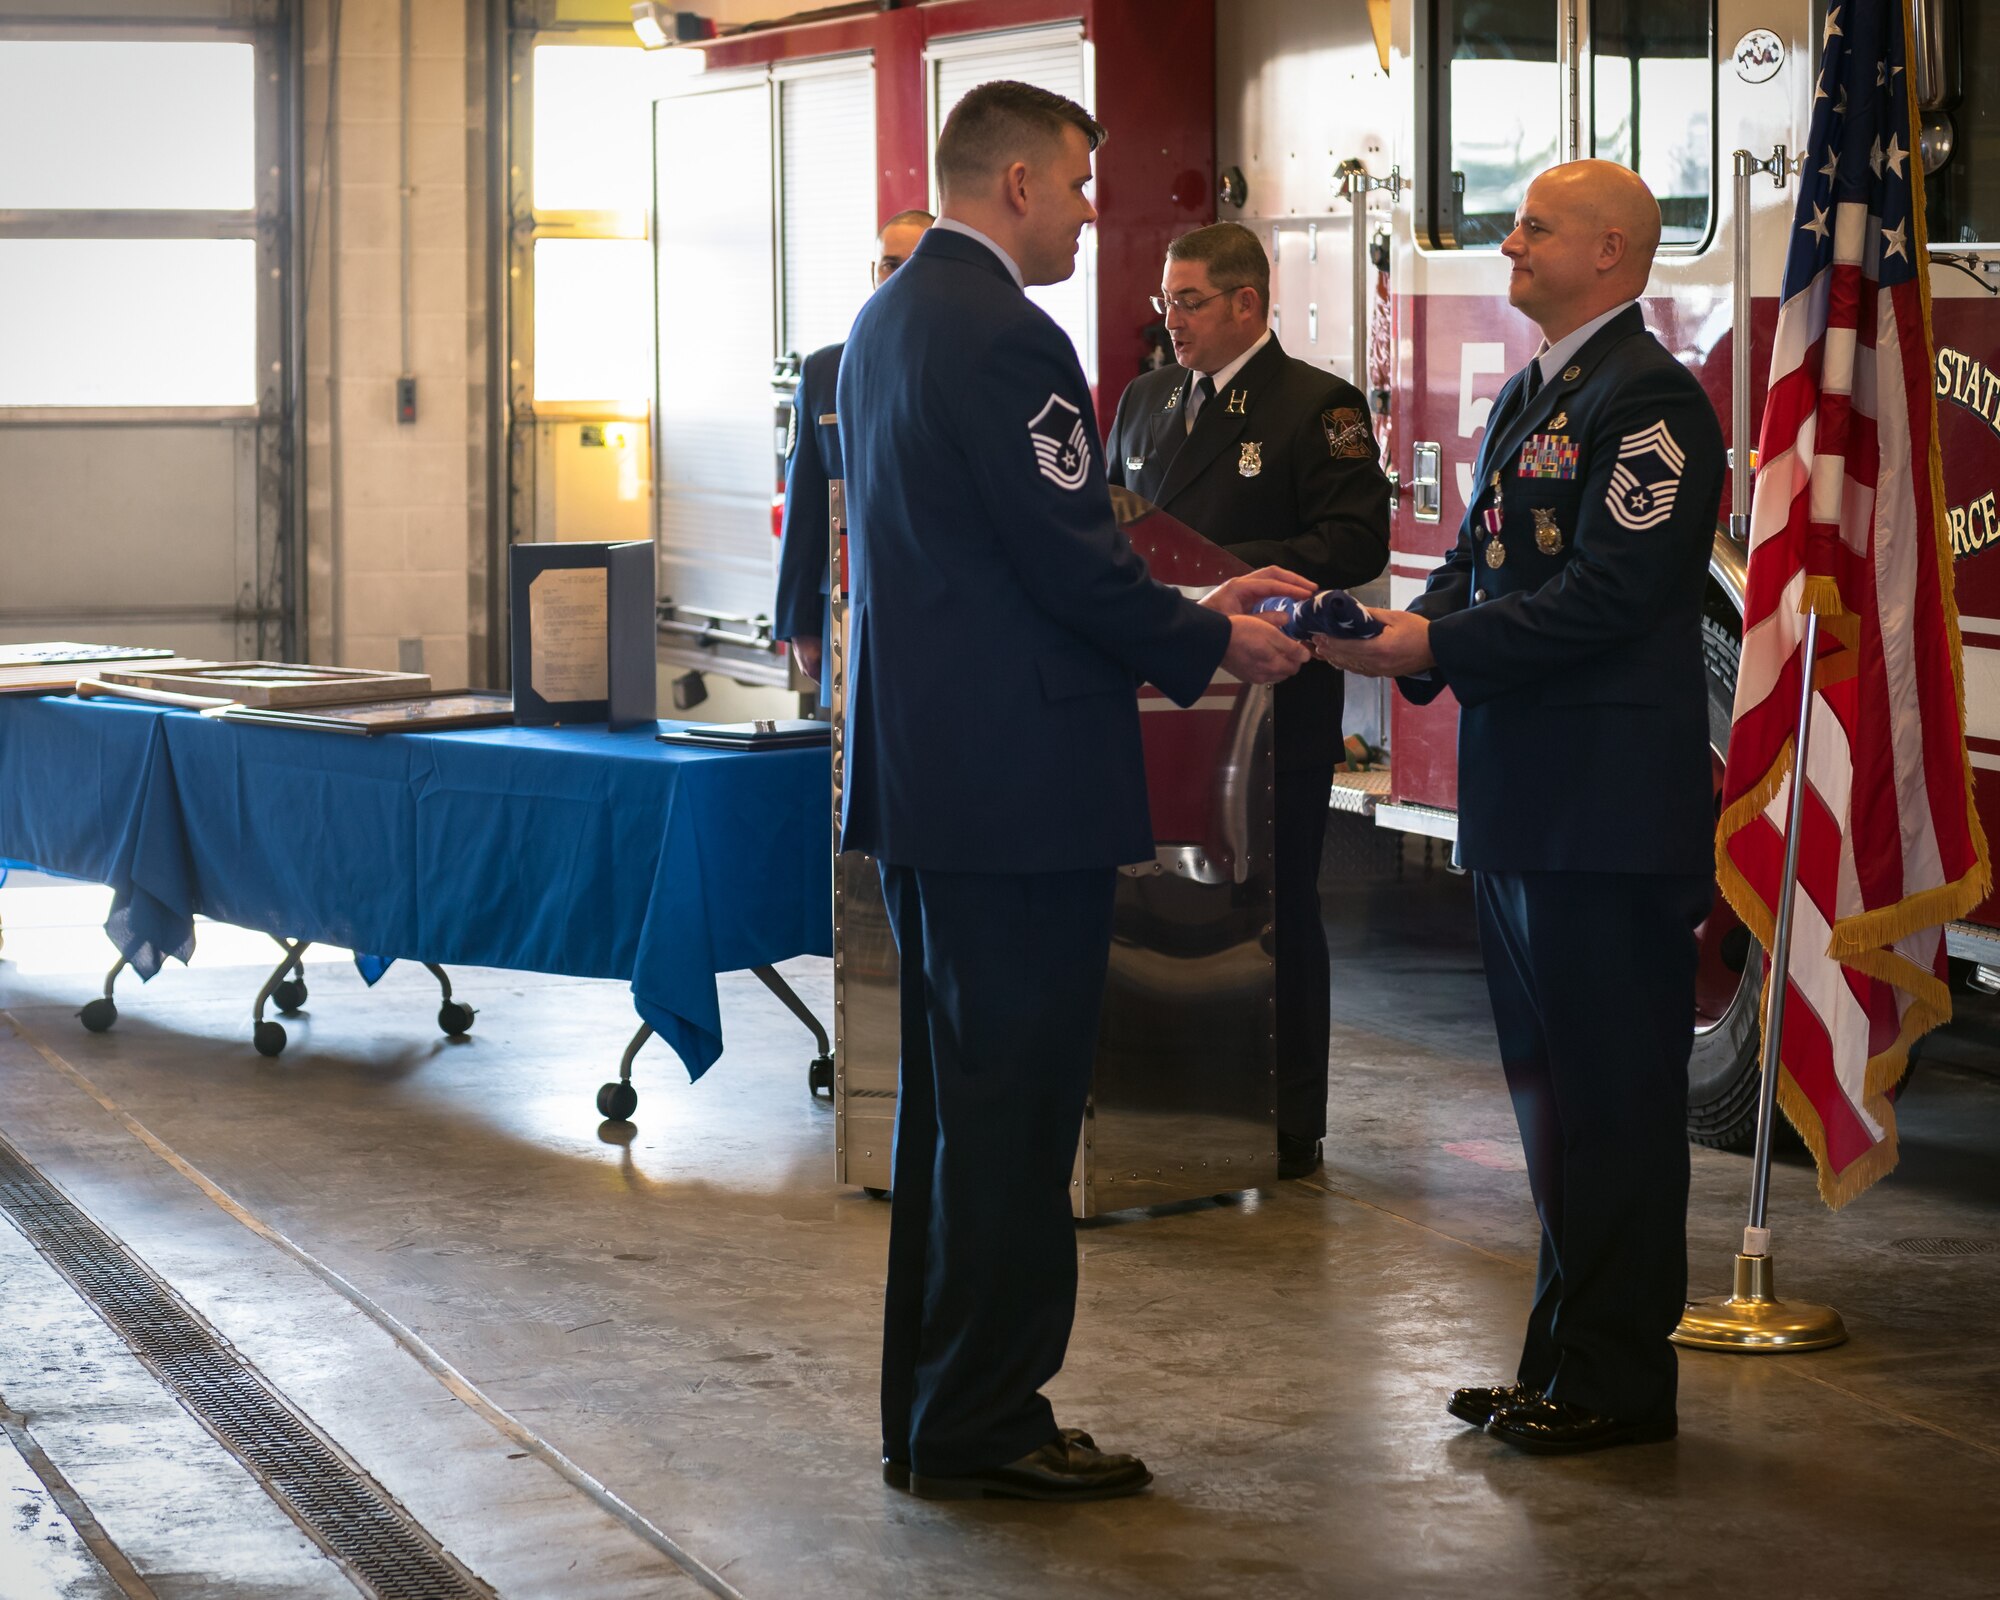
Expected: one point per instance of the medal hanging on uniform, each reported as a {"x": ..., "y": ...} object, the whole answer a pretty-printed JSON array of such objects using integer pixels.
[
  {"x": 1548, "y": 537},
  {"x": 1493, "y": 516}
]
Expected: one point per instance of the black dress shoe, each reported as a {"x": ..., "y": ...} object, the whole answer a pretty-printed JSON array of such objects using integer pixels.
[
  {"x": 1297, "y": 1158},
  {"x": 896, "y": 1474},
  {"x": 1545, "y": 1427},
  {"x": 1060, "y": 1470},
  {"x": 1477, "y": 1405}
]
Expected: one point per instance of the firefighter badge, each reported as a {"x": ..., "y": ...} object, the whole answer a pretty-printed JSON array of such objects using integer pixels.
[
  {"x": 1251, "y": 461},
  {"x": 1548, "y": 536}
]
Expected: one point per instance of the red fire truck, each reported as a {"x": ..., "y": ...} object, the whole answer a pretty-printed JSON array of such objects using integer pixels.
[
  {"x": 1709, "y": 100},
  {"x": 1380, "y": 147}
]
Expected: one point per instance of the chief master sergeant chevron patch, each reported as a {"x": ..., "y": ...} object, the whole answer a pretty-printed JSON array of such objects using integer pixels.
[{"x": 1646, "y": 478}]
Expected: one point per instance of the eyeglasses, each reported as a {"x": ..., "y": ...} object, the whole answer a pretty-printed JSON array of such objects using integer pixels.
[{"x": 1162, "y": 304}]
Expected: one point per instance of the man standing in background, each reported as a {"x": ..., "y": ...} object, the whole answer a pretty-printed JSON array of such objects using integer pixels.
[
  {"x": 1273, "y": 459},
  {"x": 812, "y": 461}
]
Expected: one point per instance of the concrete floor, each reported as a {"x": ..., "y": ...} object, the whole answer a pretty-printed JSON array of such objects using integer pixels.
[{"x": 571, "y": 1357}]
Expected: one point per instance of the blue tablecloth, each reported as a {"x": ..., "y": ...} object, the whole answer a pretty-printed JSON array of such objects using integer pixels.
[{"x": 568, "y": 850}]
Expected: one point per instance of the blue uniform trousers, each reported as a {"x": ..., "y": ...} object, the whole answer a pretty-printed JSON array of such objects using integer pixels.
[
  {"x": 1002, "y": 982},
  {"x": 1591, "y": 976}
]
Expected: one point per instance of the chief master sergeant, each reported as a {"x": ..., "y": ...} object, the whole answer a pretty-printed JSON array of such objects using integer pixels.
[
  {"x": 1000, "y": 622},
  {"x": 1567, "y": 621},
  {"x": 1272, "y": 458}
]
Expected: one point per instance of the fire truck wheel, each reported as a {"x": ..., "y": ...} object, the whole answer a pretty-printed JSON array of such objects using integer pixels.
[{"x": 1722, "y": 1070}]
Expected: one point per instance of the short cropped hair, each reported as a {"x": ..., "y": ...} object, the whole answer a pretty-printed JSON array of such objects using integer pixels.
[
  {"x": 1233, "y": 255},
  {"x": 906, "y": 218},
  {"x": 1002, "y": 122}
]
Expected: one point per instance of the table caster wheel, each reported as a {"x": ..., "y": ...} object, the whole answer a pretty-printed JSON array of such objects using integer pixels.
[
  {"x": 269, "y": 1038},
  {"x": 455, "y": 1019},
  {"x": 819, "y": 1077},
  {"x": 290, "y": 995},
  {"x": 615, "y": 1101},
  {"x": 876, "y": 1194},
  {"x": 99, "y": 1015}
]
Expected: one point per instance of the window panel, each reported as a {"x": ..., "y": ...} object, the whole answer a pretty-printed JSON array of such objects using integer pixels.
[
  {"x": 828, "y": 132},
  {"x": 1653, "y": 104},
  {"x": 1961, "y": 117},
  {"x": 128, "y": 322},
  {"x": 1500, "y": 120},
  {"x": 593, "y": 128},
  {"x": 126, "y": 125},
  {"x": 1058, "y": 66},
  {"x": 593, "y": 320}
]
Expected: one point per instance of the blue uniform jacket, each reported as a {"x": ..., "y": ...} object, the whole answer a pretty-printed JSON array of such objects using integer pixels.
[
  {"x": 999, "y": 617},
  {"x": 814, "y": 462},
  {"x": 1583, "y": 736}
]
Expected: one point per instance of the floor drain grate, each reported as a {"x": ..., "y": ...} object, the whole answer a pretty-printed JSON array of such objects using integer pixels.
[
  {"x": 1944, "y": 1247},
  {"x": 382, "y": 1547}
]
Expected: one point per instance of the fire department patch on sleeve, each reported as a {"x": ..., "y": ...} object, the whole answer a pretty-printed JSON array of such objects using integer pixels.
[
  {"x": 1347, "y": 436},
  {"x": 1062, "y": 443},
  {"x": 1646, "y": 479}
]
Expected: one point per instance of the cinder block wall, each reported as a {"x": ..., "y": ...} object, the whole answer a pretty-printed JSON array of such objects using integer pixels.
[{"x": 396, "y": 512}]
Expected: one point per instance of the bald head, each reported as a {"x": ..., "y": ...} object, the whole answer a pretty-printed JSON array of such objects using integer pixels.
[{"x": 1583, "y": 242}]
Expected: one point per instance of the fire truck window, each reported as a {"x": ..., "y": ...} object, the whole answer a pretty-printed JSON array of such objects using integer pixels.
[
  {"x": 1961, "y": 116},
  {"x": 1653, "y": 103},
  {"x": 1499, "y": 117}
]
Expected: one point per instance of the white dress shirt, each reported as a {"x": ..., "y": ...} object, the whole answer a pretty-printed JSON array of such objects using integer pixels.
[{"x": 953, "y": 225}]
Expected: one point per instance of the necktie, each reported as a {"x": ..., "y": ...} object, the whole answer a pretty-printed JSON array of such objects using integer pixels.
[
  {"x": 1523, "y": 397},
  {"x": 1202, "y": 393}
]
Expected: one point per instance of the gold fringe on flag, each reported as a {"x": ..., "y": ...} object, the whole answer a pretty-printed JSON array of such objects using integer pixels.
[
  {"x": 1865, "y": 942},
  {"x": 1822, "y": 594}
]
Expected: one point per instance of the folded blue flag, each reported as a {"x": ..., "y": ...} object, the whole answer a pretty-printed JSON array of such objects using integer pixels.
[{"x": 1333, "y": 612}]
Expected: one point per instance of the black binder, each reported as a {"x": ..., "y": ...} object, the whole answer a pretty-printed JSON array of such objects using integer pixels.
[{"x": 773, "y": 734}]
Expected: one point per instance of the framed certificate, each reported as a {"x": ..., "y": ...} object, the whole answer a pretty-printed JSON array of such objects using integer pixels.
[
  {"x": 267, "y": 683},
  {"x": 582, "y": 616},
  {"x": 470, "y": 708}
]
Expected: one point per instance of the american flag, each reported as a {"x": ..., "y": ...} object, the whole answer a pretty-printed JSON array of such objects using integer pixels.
[{"x": 1848, "y": 522}]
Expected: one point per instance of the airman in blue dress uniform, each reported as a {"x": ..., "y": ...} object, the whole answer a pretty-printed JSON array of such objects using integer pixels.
[
  {"x": 1567, "y": 622},
  {"x": 1000, "y": 621}
]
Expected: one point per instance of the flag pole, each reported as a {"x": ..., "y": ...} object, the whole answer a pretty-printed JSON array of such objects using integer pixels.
[{"x": 1751, "y": 1319}]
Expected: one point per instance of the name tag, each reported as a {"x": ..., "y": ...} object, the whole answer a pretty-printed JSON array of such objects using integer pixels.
[{"x": 1548, "y": 455}]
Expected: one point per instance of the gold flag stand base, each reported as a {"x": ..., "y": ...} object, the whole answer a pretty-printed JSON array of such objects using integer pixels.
[{"x": 1753, "y": 1320}]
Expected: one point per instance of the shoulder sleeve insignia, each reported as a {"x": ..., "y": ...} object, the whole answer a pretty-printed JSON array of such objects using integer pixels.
[
  {"x": 1062, "y": 443},
  {"x": 1646, "y": 478},
  {"x": 1347, "y": 435}
]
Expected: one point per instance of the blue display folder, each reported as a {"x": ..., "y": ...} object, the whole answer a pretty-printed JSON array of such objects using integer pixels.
[{"x": 582, "y": 626}]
